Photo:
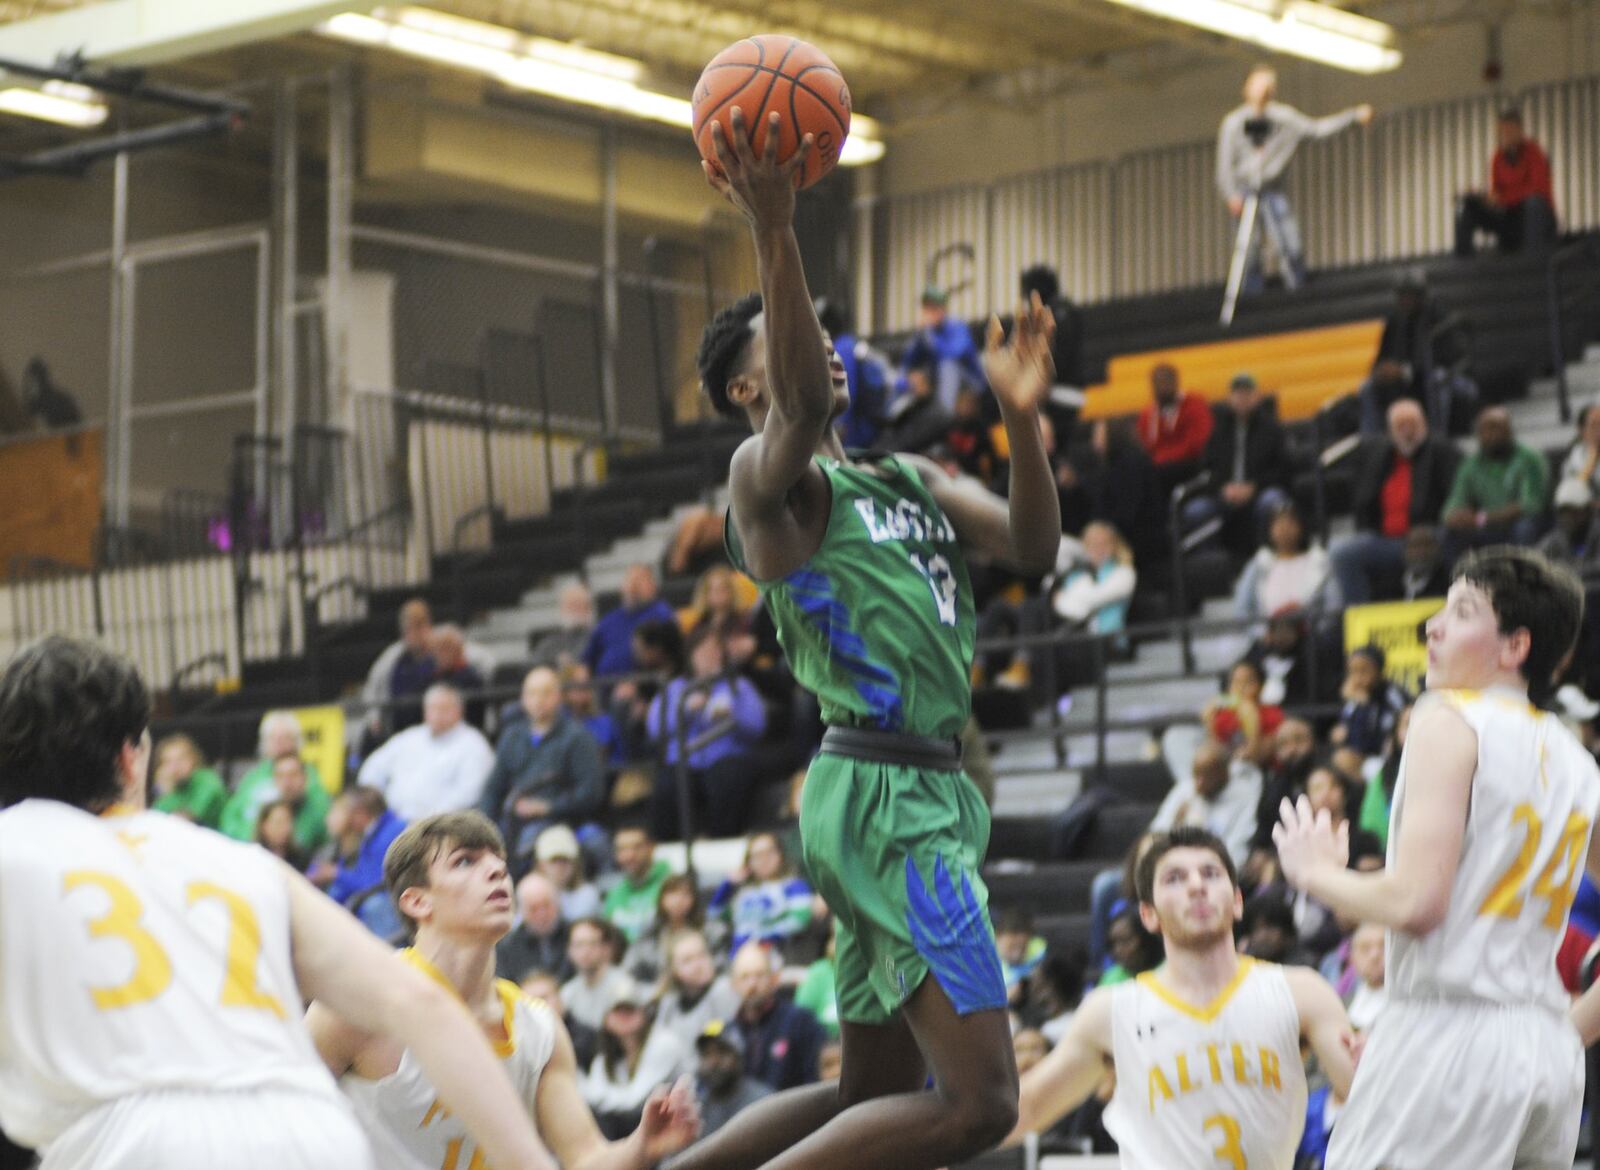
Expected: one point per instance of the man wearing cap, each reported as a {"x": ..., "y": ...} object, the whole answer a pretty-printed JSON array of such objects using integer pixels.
[
  {"x": 949, "y": 346},
  {"x": 1245, "y": 459},
  {"x": 720, "y": 1084},
  {"x": 558, "y": 857}
]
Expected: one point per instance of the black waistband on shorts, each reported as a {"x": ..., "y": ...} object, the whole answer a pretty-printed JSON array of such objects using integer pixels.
[{"x": 894, "y": 747}]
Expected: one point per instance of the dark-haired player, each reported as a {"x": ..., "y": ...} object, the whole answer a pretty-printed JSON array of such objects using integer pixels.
[
  {"x": 1488, "y": 837},
  {"x": 151, "y": 972},
  {"x": 447, "y": 876},
  {"x": 1206, "y": 1047},
  {"x": 862, "y": 566}
]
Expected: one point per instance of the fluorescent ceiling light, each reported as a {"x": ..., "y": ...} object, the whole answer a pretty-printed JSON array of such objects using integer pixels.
[
  {"x": 1300, "y": 28},
  {"x": 554, "y": 69},
  {"x": 57, "y": 101}
]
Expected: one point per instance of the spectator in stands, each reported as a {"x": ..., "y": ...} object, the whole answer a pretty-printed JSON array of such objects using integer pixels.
[
  {"x": 1220, "y": 795},
  {"x": 342, "y": 846},
  {"x": 720, "y": 608},
  {"x": 1240, "y": 719},
  {"x": 1575, "y": 540},
  {"x": 946, "y": 347},
  {"x": 721, "y": 773},
  {"x": 678, "y": 911},
  {"x": 865, "y": 370},
  {"x": 582, "y": 704},
  {"x": 610, "y": 647},
  {"x": 1020, "y": 950},
  {"x": 368, "y": 820},
  {"x": 818, "y": 990},
  {"x": 1111, "y": 891},
  {"x": 436, "y": 767},
  {"x": 1499, "y": 492},
  {"x": 280, "y": 736},
  {"x": 1133, "y": 949},
  {"x": 1403, "y": 480},
  {"x": 1246, "y": 459},
  {"x": 1372, "y": 704},
  {"x": 720, "y": 1083},
  {"x": 405, "y": 668},
  {"x": 563, "y": 646},
  {"x": 1288, "y": 572},
  {"x": 1254, "y": 146},
  {"x": 1583, "y": 457},
  {"x": 917, "y": 419},
  {"x": 183, "y": 785},
  {"x": 765, "y": 900},
  {"x": 1270, "y": 933},
  {"x": 1029, "y": 1047},
  {"x": 275, "y": 834},
  {"x": 1096, "y": 587},
  {"x": 450, "y": 666},
  {"x": 781, "y": 1039},
  {"x": 1405, "y": 353},
  {"x": 1519, "y": 208},
  {"x": 968, "y": 438},
  {"x": 630, "y": 905},
  {"x": 1066, "y": 347},
  {"x": 546, "y": 768},
  {"x": 291, "y": 780},
  {"x": 1106, "y": 475},
  {"x": 1424, "y": 572},
  {"x": 658, "y": 651},
  {"x": 597, "y": 979},
  {"x": 1174, "y": 428},
  {"x": 557, "y": 855},
  {"x": 694, "y": 994},
  {"x": 1369, "y": 996},
  {"x": 1283, "y": 777},
  {"x": 1379, "y": 793},
  {"x": 538, "y": 942},
  {"x": 546, "y": 988},
  {"x": 1283, "y": 654},
  {"x": 635, "y": 1058}
]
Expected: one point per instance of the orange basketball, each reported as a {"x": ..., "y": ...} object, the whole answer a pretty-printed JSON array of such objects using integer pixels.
[{"x": 766, "y": 73}]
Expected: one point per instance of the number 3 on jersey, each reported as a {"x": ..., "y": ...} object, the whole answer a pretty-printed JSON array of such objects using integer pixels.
[
  {"x": 1229, "y": 1150},
  {"x": 152, "y": 969},
  {"x": 941, "y": 579}
]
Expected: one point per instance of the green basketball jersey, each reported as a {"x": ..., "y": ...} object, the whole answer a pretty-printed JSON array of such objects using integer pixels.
[{"x": 878, "y": 624}]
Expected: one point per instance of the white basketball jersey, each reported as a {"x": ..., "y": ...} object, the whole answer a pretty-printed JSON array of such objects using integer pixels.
[
  {"x": 1219, "y": 1087},
  {"x": 409, "y": 1126},
  {"x": 1533, "y": 804},
  {"x": 140, "y": 953}
]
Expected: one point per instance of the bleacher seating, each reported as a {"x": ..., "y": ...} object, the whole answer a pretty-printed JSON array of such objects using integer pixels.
[{"x": 1304, "y": 368}]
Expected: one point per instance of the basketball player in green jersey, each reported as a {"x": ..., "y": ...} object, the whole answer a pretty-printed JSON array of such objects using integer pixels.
[{"x": 862, "y": 567}]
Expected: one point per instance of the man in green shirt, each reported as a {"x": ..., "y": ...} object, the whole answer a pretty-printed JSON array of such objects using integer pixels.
[
  {"x": 1499, "y": 493},
  {"x": 184, "y": 786},
  {"x": 862, "y": 566},
  {"x": 288, "y": 777},
  {"x": 630, "y": 906}
]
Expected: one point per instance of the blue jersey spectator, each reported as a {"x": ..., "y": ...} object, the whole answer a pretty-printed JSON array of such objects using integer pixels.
[
  {"x": 864, "y": 370},
  {"x": 369, "y": 815},
  {"x": 767, "y": 901},
  {"x": 948, "y": 345},
  {"x": 610, "y": 647}
]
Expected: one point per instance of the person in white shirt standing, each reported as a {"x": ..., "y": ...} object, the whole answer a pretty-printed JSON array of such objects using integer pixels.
[
  {"x": 1474, "y": 1055},
  {"x": 152, "y": 972},
  {"x": 438, "y": 766}
]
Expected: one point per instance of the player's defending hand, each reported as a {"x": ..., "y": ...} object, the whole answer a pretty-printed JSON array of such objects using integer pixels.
[
  {"x": 670, "y": 1123},
  {"x": 1308, "y": 842},
  {"x": 1020, "y": 370},
  {"x": 760, "y": 186}
]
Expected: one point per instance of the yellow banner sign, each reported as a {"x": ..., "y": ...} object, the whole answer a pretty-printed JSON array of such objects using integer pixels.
[
  {"x": 1395, "y": 627},
  {"x": 322, "y": 731}
]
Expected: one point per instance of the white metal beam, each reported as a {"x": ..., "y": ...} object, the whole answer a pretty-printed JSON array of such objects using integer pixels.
[{"x": 152, "y": 32}]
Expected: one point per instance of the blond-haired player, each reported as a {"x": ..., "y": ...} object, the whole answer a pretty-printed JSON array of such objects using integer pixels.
[
  {"x": 447, "y": 875},
  {"x": 1206, "y": 1048},
  {"x": 1474, "y": 1059},
  {"x": 151, "y": 972}
]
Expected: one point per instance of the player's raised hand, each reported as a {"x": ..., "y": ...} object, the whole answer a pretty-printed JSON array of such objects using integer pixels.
[
  {"x": 671, "y": 1121},
  {"x": 760, "y": 186},
  {"x": 1020, "y": 369},
  {"x": 1307, "y": 841}
]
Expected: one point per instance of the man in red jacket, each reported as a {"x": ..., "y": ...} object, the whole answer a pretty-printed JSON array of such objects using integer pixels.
[
  {"x": 1519, "y": 209},
  {"x": 1173, "y": 428}
]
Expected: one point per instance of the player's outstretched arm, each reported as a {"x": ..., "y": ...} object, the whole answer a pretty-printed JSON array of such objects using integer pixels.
[
  {"x": 1324, "y": 1025},
  {"x": 670, "y": 1123},
  {"x": 1065, "y": 1079},
  {"x": 1413, "y": 894},
  {"x": 799, "y": 383},
  {"x": 1026, "y": 532},
  {"x": 338, "y": 962}
]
